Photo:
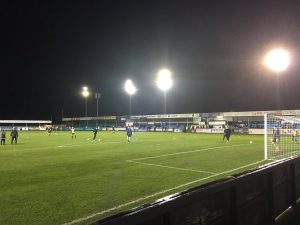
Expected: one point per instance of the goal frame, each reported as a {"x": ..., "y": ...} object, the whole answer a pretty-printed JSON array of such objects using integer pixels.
[{"x": 286, "y": 144}]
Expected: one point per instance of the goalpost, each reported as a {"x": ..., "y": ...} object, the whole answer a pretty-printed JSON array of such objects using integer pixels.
[{"x": 281, "y": 136}]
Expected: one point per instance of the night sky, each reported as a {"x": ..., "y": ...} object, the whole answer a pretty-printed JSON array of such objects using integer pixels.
[{"x": 214, "y": 49}]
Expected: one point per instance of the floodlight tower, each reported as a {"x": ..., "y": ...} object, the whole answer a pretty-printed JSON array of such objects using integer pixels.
[
  {"x": 85, "y": 93},
  {"x": 130, "y": 89},
  {"x": 164, "y": 82},
  {"x": 97, "y": 97},
  {"x": 278, "y": 61}
]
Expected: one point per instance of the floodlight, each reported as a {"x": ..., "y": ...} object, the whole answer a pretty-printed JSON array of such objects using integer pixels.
[
  {"x": 85, "y": 92},
  {"x": 277, "y": 60},
  {"x": 129, "y": 87},
  {"x": 164, "y": 80}
]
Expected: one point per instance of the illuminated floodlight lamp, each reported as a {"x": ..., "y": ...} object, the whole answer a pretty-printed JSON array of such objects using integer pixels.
[
  {"x": 129, "y": 87},
  {"x": 85, "y": 92},
  {"x": 164, "y": 80},
  {"x": 277, "y": 60}
]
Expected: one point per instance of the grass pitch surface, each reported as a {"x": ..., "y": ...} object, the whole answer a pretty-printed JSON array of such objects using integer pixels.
[{"x": 57, "y": 180}]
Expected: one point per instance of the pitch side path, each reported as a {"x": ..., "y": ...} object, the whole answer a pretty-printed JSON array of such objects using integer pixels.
[{"x": 57, "y": 180}]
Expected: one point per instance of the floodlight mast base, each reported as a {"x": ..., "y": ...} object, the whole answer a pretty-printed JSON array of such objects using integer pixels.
[
  {"x": 265, "y": 137},
  {"x": 86, "y": 112},
  {"x": 97, "y": 97},
  {"x": 278, "y": 100},
  {"x": 165, "y": 102},
  {"x": 130, "y": 105}
]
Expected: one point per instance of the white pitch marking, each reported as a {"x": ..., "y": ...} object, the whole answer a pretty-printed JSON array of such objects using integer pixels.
[
  {"x": 171, "y": 167},
  {"x": 153, "y": 195},
  {"x": 92, "y": 143},
  {"x": 75, "y": 145},
  {"x": 69, "y": 145},
  {"x": 179, "y": 153}
]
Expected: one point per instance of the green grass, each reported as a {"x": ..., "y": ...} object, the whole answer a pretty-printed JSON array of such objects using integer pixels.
[{"x": 56, "y": 180}]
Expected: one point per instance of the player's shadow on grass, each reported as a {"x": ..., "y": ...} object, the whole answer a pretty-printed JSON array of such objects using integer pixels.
[{"x": 15, "y": 144}]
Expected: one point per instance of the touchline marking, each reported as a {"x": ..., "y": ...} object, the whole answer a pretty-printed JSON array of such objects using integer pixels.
[
  {"x": 179, "y": 153},
  {"x": 94, "y": 143},
  {"x": 70, "y": 145},
  {"x": 155, "y": 194},
  {"x": 171, "y": 167}
]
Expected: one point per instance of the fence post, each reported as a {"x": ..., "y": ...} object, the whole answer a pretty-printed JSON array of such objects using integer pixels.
[
  {"x": 233, "y": 206},
  {"x": 166, "y": 219},
  {"x": 293, "y": 185},
  {"x": 270, "y": 198}
]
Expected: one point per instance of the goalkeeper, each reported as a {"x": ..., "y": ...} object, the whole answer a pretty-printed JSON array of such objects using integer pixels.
[
  {"x": 294, "y": 135},
  {"x": 276, "y": 135},
  {"x": 276, "y": 139}
]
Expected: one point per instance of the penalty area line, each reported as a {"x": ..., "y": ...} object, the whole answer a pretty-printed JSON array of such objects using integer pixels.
[
  {"x": 179, "y": 153},
  {"x": 171, "y": 167},
  {"x": 154, "y": 194},
  {"x": 90, "y": 142}
]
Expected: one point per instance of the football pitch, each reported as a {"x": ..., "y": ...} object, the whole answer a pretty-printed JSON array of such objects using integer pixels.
[{"x": 56, "y": 180}]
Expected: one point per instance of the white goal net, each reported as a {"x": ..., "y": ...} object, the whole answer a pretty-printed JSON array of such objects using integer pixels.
[{"x": 281, "y": 136}]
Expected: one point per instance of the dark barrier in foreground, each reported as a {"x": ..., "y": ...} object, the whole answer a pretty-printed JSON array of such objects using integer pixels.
[{"x": 252, "y": 198}]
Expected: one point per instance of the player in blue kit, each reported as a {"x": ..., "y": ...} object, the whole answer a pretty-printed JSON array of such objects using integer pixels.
[
  {"x": 14, "y": 135},
  {"x": 276, "y": 135},
  {"x": 227, "y": 133},
  {"x": 129, "y": 133}
]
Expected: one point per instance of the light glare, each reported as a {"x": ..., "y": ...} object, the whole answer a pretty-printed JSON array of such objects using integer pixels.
[
  {"x": 164, "y": 80},
  {"x": 277, "y": 60},
  {"x": 85, "y": 92},
  {"x": 129, "y": 87}
]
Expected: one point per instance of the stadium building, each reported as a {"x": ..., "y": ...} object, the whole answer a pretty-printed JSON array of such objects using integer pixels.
[
  {"x": 25, "y": 124},
  {"x": 251, "y": 122}
]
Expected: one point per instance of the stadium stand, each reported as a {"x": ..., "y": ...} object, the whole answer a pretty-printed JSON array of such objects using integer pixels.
[{"x": 243, "y": 122}]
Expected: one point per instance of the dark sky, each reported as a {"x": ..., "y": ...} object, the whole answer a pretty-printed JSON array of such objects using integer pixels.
[{"x": 214, "y": 49}]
